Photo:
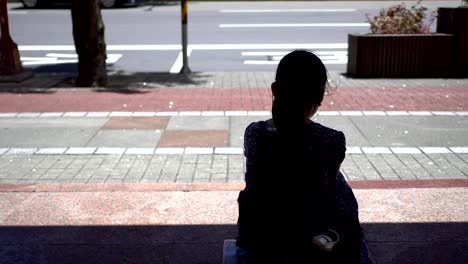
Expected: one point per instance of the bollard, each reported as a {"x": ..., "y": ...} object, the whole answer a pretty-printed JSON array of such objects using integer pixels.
[{"x": 185, "y": 68}]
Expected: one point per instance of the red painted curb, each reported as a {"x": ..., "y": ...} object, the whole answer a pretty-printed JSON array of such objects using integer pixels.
[{"x": 198, "y": 186}]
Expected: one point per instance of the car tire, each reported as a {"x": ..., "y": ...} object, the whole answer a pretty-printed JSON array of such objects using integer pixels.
[
  {"x": 108, "y": 3},
  {"x": 31, "y": 3}
]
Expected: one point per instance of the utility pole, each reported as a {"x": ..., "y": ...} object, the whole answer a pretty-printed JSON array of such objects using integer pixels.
[
  {"x": 10, "y": 63},
  {"x": 185, "y": 68}
]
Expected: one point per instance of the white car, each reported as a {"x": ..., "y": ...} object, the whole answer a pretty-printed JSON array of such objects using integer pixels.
[{"x": 104, "y": 3}]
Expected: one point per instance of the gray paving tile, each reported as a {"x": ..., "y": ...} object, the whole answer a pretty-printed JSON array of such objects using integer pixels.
[
  {"x": 403, "y": 131},
  {"x": 190, "y": 159},
  {"x": 385, "y": 171},
  {"x": 167, "y": 177},
  {"x": 464, "y": 157},
  {"x": 401, "y": 170},
  {"x": 368, "y": 171},
  {"x": 351, "y": 170},
  {"x": 124, "y": 138},
  {"x": 48, "y": 132},
  {"x": 446, "y": 166},
  {"x": 235, "y": 177},
  {"x": 198, "y": 123},
  {"x": 430, "y": 166},
  {"x": 218, "y": 177},
  {"x": 354, "y": 136},
  {"x": 237, "y": 126},
  {"x": 458, "y": 163},
  {"x": 186, "y": 173}
]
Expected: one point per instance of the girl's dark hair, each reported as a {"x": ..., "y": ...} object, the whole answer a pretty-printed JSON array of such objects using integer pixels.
[{"x": 300, "y": 83}]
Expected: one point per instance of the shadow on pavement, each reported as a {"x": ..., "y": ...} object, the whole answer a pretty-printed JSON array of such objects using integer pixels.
[
  {"x": 145, "y": 80},
  {"x": 388, "y": 243},
  {"x": 47, "y": 78}
]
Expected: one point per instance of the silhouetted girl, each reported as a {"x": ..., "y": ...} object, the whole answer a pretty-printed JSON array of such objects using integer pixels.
[{"x": 294, "y": 190}]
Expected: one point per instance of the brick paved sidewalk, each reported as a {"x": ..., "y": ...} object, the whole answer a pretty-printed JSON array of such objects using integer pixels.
[
  {"x": 236, "y": 91},
  {"x": 232, "y": 99},
  {"x": 180, "y": 95}
]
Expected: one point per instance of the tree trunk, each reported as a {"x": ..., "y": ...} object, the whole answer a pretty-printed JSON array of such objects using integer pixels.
[{"x": 90, "y": 45}]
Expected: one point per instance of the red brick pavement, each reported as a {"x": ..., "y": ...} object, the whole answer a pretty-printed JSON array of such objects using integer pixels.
[{"x": 251, "y": 99}]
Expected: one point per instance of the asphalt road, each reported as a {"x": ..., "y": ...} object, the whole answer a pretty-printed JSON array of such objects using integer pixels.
[{"x": 223, "y": 36}]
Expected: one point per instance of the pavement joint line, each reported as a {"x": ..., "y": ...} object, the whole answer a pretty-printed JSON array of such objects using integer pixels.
[
  {"x": 140, "y": 151},
  {"x": 420, "y": 113},
  {"x": 212, "y": 113},
  {"x": 118, "y": 113},
  {"x": 28, "y": 114},
  {"x": 435, "y": 150},
  {"x": 190, "y": 113},
  {"x": 258, "y": 113},
  {"x": 144, "y": 114},
  {"x": 226, "y": 113},
  {"x": 167, "y": 113},
  {"x": 374, "y": 113},
  {"x": 405, "y": 150},
  {"x": 353, "y": 150},
  {"x": 52, "y": 114},
  {"x": 169, "y": 151},
  {"x": 98, "y": 114},
  {"x": 228, "y": 151},
  {"x": 8, "y": 114},
  {"x": 51, "y": 151},
  {"x": 74, "y": 114},
  {"x": 459, "y": 150},
  {"x": 17, "y": 151},
  {"x": 328, "y": 113},
  {"x": 444, "y": 113},
  {"x": 351, "y": 113},
  {"x": 198, "y": 151},
  {"x": 376, "y": 150},
  {"x": 235, "y": 113},
  {"x": 213, "y": 150},
  {"x": 109, "y": 150},
  {"x": 397, "y": 113},
  {"x": 81, "y": 151}
]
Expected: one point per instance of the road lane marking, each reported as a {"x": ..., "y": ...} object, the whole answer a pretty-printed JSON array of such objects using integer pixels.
[
  {"x": 294, "y": 25},
  {"x": 193, "y": 47},
  {"x": 108, "y": 47},
  {"x": 273, "y": 57},
  {"x": 285, "y": 10},
  {"x": 62, "y": 58},
  {"x": 177, "y": 66}
]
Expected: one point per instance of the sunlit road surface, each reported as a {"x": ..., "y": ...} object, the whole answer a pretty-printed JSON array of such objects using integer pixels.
[{"x": 223, "y": 36}]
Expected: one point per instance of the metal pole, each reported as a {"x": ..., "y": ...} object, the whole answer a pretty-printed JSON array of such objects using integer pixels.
[
  {"x": 10, "y": 62},
  {"x": 185, "y": 68}
]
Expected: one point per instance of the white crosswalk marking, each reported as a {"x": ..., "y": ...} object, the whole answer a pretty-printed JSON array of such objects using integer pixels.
[{"x": 273, "y": 57}]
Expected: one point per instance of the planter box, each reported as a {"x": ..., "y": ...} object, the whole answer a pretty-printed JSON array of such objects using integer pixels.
[
  {"x": 399, "y": 56},
  {"x": 455, "y": 21}
]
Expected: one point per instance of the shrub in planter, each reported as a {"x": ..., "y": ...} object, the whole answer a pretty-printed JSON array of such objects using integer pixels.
[
  {"x": 400, "y": 45},
  {"x": 400, "y": 19}
]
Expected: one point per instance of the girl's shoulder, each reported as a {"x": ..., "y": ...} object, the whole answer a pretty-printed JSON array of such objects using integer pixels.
[
  {"x": 327, "y": 135},
  {"x": 257, "y": 127}
]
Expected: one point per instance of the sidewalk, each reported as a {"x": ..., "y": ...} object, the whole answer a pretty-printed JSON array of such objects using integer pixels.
[{"x": 149, "y": 171}]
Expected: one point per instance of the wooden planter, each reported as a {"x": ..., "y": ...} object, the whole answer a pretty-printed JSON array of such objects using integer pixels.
[
  {"x": 455, "y": 21},
  {"x": 399, "y": 56}
]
